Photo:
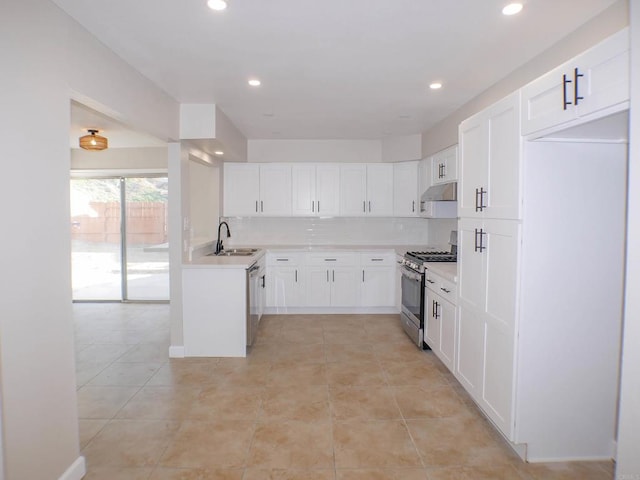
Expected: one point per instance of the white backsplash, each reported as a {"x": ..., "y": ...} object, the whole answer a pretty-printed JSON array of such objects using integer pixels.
[
  {"x": 440, "y": 231},
  {"x": 328, "y": 231}
]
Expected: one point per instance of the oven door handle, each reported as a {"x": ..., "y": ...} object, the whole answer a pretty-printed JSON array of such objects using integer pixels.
[{"x": 406, "y": 272}]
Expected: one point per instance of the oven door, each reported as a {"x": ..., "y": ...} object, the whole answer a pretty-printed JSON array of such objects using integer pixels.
[{"x": 413, "y": 295}]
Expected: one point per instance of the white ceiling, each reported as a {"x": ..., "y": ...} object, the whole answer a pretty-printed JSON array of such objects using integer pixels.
[{"x": 333, "y": 68}]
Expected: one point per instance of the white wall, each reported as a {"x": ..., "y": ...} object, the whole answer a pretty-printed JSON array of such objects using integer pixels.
[
  {"x": 119, "y": 159},
  {"x": 628, "y": 459},
  {"x": 399, "y": 149},
  {"x": 204, "y": 200},
  {"x": 607, "y": 23},
  {"x": 314, "y": 151},
  {"x": 45, "y": 53}
]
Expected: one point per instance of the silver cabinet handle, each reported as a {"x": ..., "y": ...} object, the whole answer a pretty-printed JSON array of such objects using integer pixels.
[
  {"x": 445, "y": 290},
  {"x": 413, "y": 206},
  {"x": 330, "y": 259},
  {"x": 318, "y": 206},
  {"x": 377, "y": 259},
  {"x": 333, "y": 274},
  {"x": 296, "y": 275},
  {"x": 430, "y": 281},
  {"x": 282, "y": 259},
  {"x": 363, "y": 275},
  {"x": 369, "y": 206},
  {"x": 313, "y": 206},
  {"x": 261, "y": 206},
  {"x": 364, "y": 206},
  {"x": 256, "y": 206}
]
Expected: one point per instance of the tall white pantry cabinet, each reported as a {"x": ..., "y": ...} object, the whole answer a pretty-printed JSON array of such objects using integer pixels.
[{"x": 541, "y": 257}]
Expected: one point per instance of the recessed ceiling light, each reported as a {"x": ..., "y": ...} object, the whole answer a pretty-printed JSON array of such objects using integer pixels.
[
  {"x": 219, "y": 152},
  {"x": 254, "y": 82},
  {"x": 217, "y": 4},
  {"x": 512, "y": 9},
  {"x": 435, "y": 85}
]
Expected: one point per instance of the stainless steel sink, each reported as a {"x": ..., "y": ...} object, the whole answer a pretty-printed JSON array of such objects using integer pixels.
[{"x": 234, "y": 252}]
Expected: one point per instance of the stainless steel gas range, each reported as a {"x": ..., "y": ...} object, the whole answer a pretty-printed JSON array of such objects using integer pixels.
[{"x": 413, "y": 285}]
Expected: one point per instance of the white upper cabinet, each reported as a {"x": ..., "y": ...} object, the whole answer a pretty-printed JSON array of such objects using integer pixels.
[
  {"x": 315, "y": 190},
  {"x": 444, "y": 166},
  {"x": 405, "y": 189},
  {"x": 490, "y": 174},
  {"x": 252, "y": 189},
  {"x": 241, "y": 189},
  {"x": 424, "y": 175},
  {"x": 275, "y": 189},
  {"x": 366, "y": 189},
  {"x": 595, "y": 80}
]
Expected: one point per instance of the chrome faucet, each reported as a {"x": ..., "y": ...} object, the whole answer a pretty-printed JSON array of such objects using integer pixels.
[{"x": 219, "y": 246}]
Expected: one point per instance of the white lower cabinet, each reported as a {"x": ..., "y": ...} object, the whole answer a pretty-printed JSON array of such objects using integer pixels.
[
  {"x": 284, "y": 281},
  {"x": 378, "y": 282},
  {"x": 331, "y": 279},
  {"x": 440, "y": 321}
]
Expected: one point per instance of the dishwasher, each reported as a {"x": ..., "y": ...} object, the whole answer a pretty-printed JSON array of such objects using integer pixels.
[{"x": 253, "y": 302}]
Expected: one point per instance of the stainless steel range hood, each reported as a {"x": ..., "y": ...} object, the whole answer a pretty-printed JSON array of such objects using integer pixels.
[{"x": 445, "y": 192}]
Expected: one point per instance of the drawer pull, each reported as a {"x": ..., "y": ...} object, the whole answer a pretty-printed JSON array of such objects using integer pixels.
[
  {"x": 445, "y": 290},
  {"x": 330, "y": 259},
  {"x": 430, "y": 281},
  {"x": 377, "y": 259},
  {"x": 282, "y": 259}
]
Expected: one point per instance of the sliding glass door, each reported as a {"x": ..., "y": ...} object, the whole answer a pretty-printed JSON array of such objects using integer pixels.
[{"x": 119, "y": 239}]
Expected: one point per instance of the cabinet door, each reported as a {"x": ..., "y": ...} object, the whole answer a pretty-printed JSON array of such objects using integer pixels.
[
  {"x": 504, "y": 171},
  {"x": 241, "y": 189},
  {"x": 502, "y": 248},
  {"x": 606, "y": 74},
  {"x": 318, "y": 286},
  {"x": 444, "y": 166},
  {"x": 405, "y": 189},
  {"x": 344, "y": 287},
  {"x": 303, "y": 190},
  {"x": 378, "y": 287},
  {"x": 275, "y": 189},
  {"x": 491, "y": 162},
  {"x": 284, "y": 286},
  {"x": 432, "y": 321},
  {"x": 353, "y": 190},
  {"x": 472, "y": 263},
  {"x": 469, "y": 368},
  {"x": 447, "y": 349},
  {"x": 380, "y": 189},
  {"x": 543, "y": 101},
  {"x": 327, "y": 190},
  {"x": 474, "y": 161}
]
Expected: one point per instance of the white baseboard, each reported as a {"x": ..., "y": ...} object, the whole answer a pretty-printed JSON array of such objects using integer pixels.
[
  {"x": 329, "y": 310},
  {"x": 76, "y": 471},
  {"x": 176, "y": 351}
]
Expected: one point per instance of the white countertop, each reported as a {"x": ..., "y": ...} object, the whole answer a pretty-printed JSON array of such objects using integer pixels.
[
  {"x": 200, "y": 259},
  {"x": 447, "y": 270}
]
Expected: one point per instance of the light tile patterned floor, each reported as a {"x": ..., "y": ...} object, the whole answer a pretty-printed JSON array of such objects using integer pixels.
[{"x": 324, "y": 397}]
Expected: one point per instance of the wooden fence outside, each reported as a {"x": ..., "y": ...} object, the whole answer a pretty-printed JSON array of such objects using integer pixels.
[{"x": 146, "y": 223}]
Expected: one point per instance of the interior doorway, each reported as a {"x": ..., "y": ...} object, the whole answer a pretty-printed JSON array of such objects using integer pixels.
[{"x": 119, "y": 238}]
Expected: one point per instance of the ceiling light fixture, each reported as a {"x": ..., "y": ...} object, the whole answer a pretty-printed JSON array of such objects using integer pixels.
[
  {"x": 512, "y": 9},
  {"x": 435, "y": 86},
  {"x": 93, "y": 141},
  {"x": 217, "y": 5},
  {"x": 219, "y": 152},
  {"x": 254, "y": 82}
]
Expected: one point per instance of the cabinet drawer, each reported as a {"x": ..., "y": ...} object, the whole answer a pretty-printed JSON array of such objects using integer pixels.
[
  {"x": 445, "y": 288},
  {"x": 331, "y": 258},
  {"x": 284, "y": 259},
  {"x": 380, "y": 259}
]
